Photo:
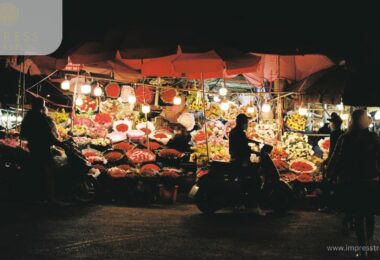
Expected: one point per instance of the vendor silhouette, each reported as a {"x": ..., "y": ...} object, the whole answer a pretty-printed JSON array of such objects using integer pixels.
[{"x": 240, "y": 152}]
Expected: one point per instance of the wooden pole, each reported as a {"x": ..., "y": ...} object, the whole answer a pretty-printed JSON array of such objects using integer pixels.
[{"x": 204, "y": 112}]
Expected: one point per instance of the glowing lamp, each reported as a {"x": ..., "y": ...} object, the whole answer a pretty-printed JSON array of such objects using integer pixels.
[
  {"x": 344, "y": 116},
  {"x": 216, "y": 99},
  {"x": 177, "y": 100},
  {"x": 377, "y": 115},
  {"x": 251, "y": 110},
  {"x": 224, "y": 105},
  {"x": 223, "y": 91},
  {"x": 131, "y": 99},
  {"x": 98, "y": 91},
  {"x": 145, "y": 109},
  {"x": 302, "y": 111},
  {"x": 65, "y": 85},
  {"x": 85, "y": 89},
  {"x": 79, "y": 102},
  {"x": 265, "y": 108}
]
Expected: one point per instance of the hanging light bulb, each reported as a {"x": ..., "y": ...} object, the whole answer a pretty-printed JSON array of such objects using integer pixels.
[
  {"x": 98, "y": 91},
  {"x": 225, "y": 105},
  {"x": 85, "y": 89},
  {"x": 65, "y": 85},
  {"x": 79, "y": 102},
  {"x": 131, "y": 99},
  {"x": 266, "y": 107},
  {"x": 223, "y": 91},
  {"x": 19, "y": 118},
  {"x": 340, "y": 106},
  {"x": 251, "y": 110},
  {"x": 344, "y": 117},
  {"x": 216, "y": 99},
  {"x": 177, "y": 100},
  {"x": 302, "y": 111},
  {"x": 145, "y": 109},
  {"x": 377, "y": 115}
]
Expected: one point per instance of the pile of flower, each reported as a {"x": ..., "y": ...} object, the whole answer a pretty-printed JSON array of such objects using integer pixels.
[
  {"x": 296, "y": 145},
  {"x": 217, "y": 151},
  {"x": 296, "y": 122}
]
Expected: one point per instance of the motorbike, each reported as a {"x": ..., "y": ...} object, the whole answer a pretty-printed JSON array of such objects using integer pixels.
[
  {"x": 224, "y": 187},
  {"x": 72, "y": 174}
]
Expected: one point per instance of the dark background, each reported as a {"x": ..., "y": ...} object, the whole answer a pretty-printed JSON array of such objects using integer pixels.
[{"x": 341, "y": 31}]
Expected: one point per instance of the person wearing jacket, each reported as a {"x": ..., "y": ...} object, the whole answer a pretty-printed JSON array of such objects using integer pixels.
[
  {"x": 355, "y": 162},
  {"x": 40, "y": 132},
  {"x": 327, "y": 185},
  {"x": 240, "y": 153}
]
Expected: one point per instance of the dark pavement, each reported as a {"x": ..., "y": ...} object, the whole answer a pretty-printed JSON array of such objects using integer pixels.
[{"x": 166, "y": 232}]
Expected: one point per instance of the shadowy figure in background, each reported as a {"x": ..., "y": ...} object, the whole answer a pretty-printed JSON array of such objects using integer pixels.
[
  {"x": 325, "y": 129},
  {"x": 336, "y": 131},
  {"x": 181, "y": 139},
  {"x": 328, "y": 182},
  {"x": 355, "y": 162},
  {"x": 40, "y": 132}
]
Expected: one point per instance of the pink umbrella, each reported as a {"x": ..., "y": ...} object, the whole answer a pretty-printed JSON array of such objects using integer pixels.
[
  {"x": 37, "y": 65},
  {"x": 200, "y": 65}
]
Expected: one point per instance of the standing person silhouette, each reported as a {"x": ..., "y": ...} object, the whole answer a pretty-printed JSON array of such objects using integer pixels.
[
  {"x": 39, "y": 130},
  {"x": 355, "y": 161},
  {"x": 240, "y": 154}
]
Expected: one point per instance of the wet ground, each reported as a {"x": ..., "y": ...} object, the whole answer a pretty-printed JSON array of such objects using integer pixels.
[{"x": 166, "y": 232}]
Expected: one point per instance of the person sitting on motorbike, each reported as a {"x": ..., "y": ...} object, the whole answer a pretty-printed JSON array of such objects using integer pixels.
[
  {"x": 40, "y": 132},
  {"x": 240, "y": 153}
]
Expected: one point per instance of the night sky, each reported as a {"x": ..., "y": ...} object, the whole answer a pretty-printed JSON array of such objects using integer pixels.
[{"x": 340, "y": 31}]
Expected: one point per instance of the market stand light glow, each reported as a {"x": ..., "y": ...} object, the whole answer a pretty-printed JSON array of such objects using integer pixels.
[
  {"x": 145, "y": 109},
  {"x": 132, "y": 99},
  {"x": 344, "y": 116},
  {"x": 85, "y": 89},
  {"x": 377, "y": 115},
  {"x": 98, "y": 91},
  {"x": 79, "y": 101},
  {"x": 177, "y": 100},
  {"x": 302, "y": 111},
  {"x": 251, "y": 110},
  {"x": 223, "y": 91},
  {"x": 216, "y": 99},
  {"x": 224, "y": 105},
  {"x": 266, "y": 108},
  {"x": 65, "y": 85},
  {"x": 340, "y": 106}
]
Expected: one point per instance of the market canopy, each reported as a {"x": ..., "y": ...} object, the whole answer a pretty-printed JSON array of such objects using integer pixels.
[
  {"x": 194, "y": 63},
  {"x": 325, "y": 86},
  {"x": 290, "y": 67}
]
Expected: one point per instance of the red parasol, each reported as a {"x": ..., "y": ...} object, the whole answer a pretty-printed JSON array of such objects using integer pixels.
[{"x": 291, "y": 67}]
